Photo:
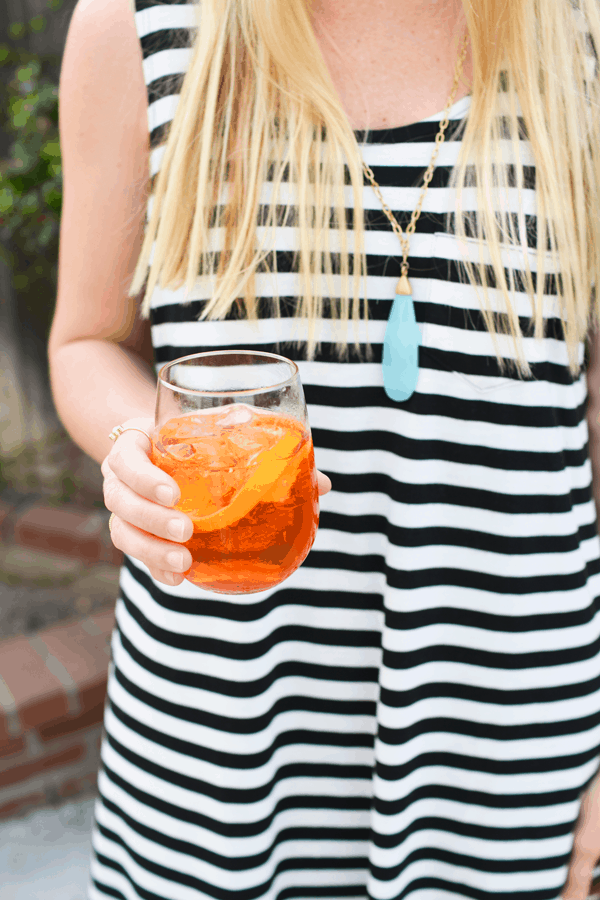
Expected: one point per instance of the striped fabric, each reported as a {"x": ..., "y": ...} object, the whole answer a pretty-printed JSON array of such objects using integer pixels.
[{"x": 417, "y": 709}]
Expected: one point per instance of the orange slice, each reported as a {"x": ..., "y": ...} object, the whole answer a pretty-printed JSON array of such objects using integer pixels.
[
  {"x": 279, "y": 490},
  {"x": 271, "y": 465}
]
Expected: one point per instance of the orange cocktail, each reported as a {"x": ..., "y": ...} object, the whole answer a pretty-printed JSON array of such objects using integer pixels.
[{"x": 248, "y": 482}]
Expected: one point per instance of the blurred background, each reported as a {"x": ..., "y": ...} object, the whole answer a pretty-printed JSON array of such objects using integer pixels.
[{"x": 58, "y": 569}]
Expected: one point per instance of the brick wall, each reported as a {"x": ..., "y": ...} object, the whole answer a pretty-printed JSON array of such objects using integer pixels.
[
  {"x": 53, "y": 681},
  {"x": 52, "y": 689}
]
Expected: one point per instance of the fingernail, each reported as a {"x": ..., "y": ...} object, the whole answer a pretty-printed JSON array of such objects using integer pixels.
[
  {"x": 175, "y": 529},
  {"x": 175, "y": 560},
  {"x": 164, "y": 495}
]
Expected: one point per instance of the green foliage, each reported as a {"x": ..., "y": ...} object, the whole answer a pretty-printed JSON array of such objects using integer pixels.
[{"x": 31, "y": 176}]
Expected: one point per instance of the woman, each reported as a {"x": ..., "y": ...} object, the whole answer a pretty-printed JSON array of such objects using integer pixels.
[{"x": 416, "y": 711}]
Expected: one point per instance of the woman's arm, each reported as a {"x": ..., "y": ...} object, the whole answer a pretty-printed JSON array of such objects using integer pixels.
[
  {"x": 97, "y": 381},
  {"x": 99, "y": 378}
]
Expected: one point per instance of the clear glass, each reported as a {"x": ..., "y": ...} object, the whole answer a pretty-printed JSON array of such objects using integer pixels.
[{"x": 232, "y": 429}]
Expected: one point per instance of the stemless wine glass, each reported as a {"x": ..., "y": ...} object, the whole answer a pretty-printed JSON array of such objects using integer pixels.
[{"x": 232, "y": 430}]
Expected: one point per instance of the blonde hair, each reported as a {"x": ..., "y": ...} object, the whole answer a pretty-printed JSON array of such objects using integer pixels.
[{"x": 258, "y": 103}]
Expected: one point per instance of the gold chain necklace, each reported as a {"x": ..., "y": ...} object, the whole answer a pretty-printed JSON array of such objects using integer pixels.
[
  {"x": 403, "y": 285},
  {"x": 400, "y": 356}
]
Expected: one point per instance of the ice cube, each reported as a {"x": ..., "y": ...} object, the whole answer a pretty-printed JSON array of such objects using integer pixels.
[
  {"x": 179, "y": 450},
  {"x": 235, "y": 414}
]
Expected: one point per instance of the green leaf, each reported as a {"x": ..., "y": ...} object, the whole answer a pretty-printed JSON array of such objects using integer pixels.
[
  {"x": 51, "y": 150},
  {"x": 17, "y": 29},
  {"x": 7, "y": 199},
  {"x": 45, "y": 233},
  {"x": 21, "y": 113},
  {"x": 26, "y": 73},
  {"x": 30, "y": 203},
  {"x": 38, "y": 23}
]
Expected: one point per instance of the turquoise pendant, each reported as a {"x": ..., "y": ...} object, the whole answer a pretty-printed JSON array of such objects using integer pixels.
[{"x": 401, "y": 350}]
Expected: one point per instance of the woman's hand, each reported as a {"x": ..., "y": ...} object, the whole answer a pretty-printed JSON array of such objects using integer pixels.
[
  {"x": 141, "y": 496},
  {"x": 586, "y": 845}
]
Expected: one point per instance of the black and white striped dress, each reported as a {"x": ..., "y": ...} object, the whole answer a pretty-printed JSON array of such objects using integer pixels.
[{"x": 417, "y": 709}]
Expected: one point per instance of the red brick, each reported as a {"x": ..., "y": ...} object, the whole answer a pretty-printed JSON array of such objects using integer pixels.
[
  {"x": 110, "y": 554},
  {"x": 82, "y": 654},
  {"x": 10, "y": 746},
  {"x": 7, "y": 733},
  {"x": 68, "y": 531},
  {"x": 42, "y": 764},
  {"x": 38, "y": 694},
  {"x": 92, "y": 715}
]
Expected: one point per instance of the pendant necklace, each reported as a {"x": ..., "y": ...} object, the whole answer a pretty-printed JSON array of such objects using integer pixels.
[{"x": 400, "y": 358}]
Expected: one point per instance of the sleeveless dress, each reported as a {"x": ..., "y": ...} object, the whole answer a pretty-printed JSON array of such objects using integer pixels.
[{"x": 416, "y": 710}]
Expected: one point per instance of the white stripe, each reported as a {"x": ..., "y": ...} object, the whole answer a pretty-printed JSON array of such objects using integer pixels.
[
  {"x": 482, "y": 639},
  {"x": 469, "y": 846},
  {"x": 486, "y": 713},
  {"x": 536, "y": 603},
  {"x": 469, "y": 432},
  {"x": 437, "y": 471},
  {"x": 418, "y": 155},
  {"x": 446, "y": 741},
  {"x": 441, "y": 515},
  {"x": 162, "y": 111},
  {"x": 161, "y": 18},
  {"x": 173, "y": 61},
  {"x": 485, "y": 782},
  {"x": 437, "y": 200},
  {"x": 495, "y": 679},
  {"x": 262, "y": 331},
  {"x": 156, "y": 158},
  {"x": 434, "y": 381},
  {"x": 474, "y": 814}
]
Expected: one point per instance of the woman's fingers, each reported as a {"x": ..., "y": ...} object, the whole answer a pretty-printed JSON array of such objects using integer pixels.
[
  {"x": 129, "y": 461},
  {"x": 161, "y": 556},
  {"x": 324, "y": 483},
  {"x": 170, "y": 578},
  {"x": 586, "y": 846},
  {"x": 141, "y": 496},
  {"x": 166, "y": 523}
]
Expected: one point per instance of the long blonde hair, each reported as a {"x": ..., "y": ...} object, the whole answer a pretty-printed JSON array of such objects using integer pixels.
[{"x": 258, "y": 103}]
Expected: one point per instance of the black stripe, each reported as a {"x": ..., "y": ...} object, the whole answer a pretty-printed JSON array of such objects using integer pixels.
[
  {"x": 166, "y": 39},
  {"x": 164, "y": 87}
]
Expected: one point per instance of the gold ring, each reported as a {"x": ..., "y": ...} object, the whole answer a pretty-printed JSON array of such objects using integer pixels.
[
  {"x": 110, "y": 521},
  {"x": 116, "y": 432}
]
